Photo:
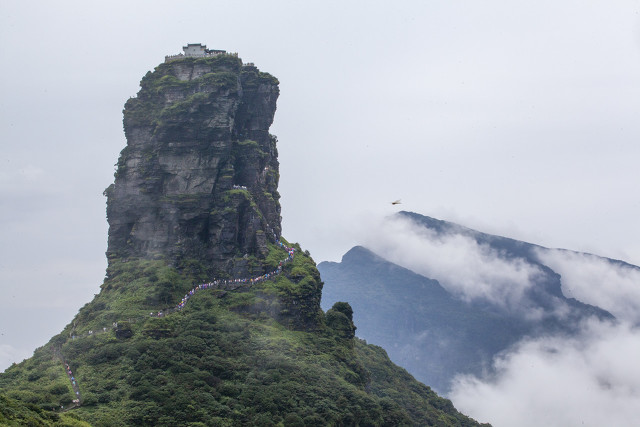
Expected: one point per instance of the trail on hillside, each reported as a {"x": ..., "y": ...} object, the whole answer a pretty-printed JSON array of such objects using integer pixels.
[
  {"x": 77, "y": 401},
  {"x": 226, "y": 284}
]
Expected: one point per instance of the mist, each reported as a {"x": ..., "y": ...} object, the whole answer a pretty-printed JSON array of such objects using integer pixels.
[
  {"x": 456, "y": 108},
  {"x": 591, "y": 378},
  {"x": 597, "y": 281},
  {"x": 469, "y": 270}
]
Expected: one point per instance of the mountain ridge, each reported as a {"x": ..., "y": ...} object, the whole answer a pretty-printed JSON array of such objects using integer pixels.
[
  {"x": 439, "y": 334},
  {"x": 447, "y": 226},
  {"x": 511, "y": 249}
]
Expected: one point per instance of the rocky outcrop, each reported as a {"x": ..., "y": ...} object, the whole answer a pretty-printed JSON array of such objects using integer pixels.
[
  {"x": 195, "y": 198},
  {"x": 198, "y": 179}
]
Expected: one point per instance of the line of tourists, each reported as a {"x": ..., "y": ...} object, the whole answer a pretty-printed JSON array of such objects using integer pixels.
[
  {"x": 74, "y": 384},
  {"x": 213, "y": 284},
  {"x": 250, "y": 281}
]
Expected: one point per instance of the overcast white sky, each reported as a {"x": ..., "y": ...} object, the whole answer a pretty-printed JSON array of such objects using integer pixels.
[{"x": 515, "y": 118}]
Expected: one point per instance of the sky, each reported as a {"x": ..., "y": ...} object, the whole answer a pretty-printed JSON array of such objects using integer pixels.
[{"x": 515, "y": 118}]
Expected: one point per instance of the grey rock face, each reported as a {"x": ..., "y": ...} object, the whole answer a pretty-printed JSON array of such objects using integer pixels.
[{"x": 198, "y": 178}]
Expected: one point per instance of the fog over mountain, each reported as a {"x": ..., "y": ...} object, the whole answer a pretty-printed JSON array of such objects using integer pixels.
[
  {"x": 612, "y": 285},
  {"x": 567, "y": 320},
  {"x": 457, "y": 108},
  {"x": 592, "y": 380},
  {"x": 516, "y": 118}
]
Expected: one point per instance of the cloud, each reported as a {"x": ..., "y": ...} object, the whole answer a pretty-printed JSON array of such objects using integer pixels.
[
  {"x": 591, "y": 380},
  {"x": 591, "y": 279},
  {"x": 470, "y": 270}
]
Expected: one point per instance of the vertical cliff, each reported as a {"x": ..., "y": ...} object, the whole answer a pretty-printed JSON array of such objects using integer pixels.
[
  {"x": 198, "y": 179},
  {"x": 195, "y": 200}
]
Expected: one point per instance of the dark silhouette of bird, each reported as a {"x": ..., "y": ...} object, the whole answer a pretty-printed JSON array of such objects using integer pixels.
[{"x": 397, "y": 202}]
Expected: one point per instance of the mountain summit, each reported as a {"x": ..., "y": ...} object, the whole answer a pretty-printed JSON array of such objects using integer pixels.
[
  {"x": 207, "y": 315},
  {"x": 198, "y": 178}
]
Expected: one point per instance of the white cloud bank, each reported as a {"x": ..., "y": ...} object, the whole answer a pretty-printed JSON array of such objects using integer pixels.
[
  {"x": 591, "y": 279},
  {"x": 591, "y": 380},
  {"x": 461, "y": 265}
]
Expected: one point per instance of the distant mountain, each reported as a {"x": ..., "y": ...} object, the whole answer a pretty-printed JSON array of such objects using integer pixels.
[
  {"x": 207, "y": 316},
  {"x": 436, "y": 333},
  {"x": 422, "y": 327}
]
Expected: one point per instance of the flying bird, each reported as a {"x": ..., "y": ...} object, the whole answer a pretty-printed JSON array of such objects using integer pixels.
[{"x": 397, "y": 202}]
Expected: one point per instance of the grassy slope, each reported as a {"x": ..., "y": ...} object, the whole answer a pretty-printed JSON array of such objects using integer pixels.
[
  {"x": 223, "y": 360},
  {"x": 17, "y": 413}
]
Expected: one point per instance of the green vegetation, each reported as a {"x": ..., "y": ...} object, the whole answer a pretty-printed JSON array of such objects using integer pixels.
[
  {"x": 17, "y": 413},
  {"x": 247, "y": 142},
  {"x": 150, "y": 107},
  {"x": 259, "y": 355},
  {"x": 389, "y": 381},
  {"x": 252, "y": 78},
  {"x": 178, "y": 110},
  {"x": 40, "y": 380},
  {"x": 248, "y": 149}
]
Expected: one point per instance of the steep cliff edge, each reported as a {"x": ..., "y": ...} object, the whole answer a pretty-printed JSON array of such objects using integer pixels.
[
  {"x": 194, "y": 206},
  {"x": 198, "y": 179}
]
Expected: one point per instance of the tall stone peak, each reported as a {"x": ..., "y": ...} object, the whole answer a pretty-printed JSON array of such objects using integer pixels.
[
  {"x": 195, "y": 202},
  {"x": 198, "y": 179}
]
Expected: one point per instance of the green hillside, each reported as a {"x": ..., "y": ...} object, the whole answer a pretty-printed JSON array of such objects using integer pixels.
[{"x": 223, "y": 359}]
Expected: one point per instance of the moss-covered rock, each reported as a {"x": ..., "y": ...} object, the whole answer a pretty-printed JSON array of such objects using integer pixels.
[{"x": 198, "y": 129}]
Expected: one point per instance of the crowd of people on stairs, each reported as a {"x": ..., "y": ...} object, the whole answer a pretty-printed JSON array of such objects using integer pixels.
[
  {"x": 224, "y": 282},
  {"x": 213, "y": 284},
  {"x": 74, "y": 383}
]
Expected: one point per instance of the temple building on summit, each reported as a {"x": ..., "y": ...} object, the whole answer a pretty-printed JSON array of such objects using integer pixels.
[
  {"x": 197, "y": 49},
  {"x": 194, "y": 49}
]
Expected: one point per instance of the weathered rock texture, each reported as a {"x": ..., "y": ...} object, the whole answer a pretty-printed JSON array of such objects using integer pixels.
[{"x": 198, "y": 178}]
